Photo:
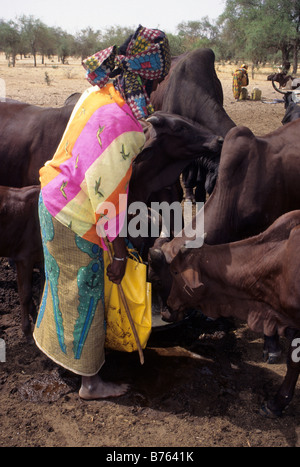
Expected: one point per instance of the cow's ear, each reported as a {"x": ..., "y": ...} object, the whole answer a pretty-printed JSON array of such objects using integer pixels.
[
  {"x": 156, "y": 256},
  {"x": 149, "y": 132},
  {"x": 192, "y": 278},
  {"x": 154, "y": 119}
]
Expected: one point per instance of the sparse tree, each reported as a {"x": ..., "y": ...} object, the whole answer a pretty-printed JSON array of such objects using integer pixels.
[
  {"x": 87, "y": 42},
  {"x": 10, "y": 40},
  {"x": 194, "y": 34},
  {"x": 258, "y": 28},
  {"x": 34, "y": 33},
  {"x": 65, "y": 45}
]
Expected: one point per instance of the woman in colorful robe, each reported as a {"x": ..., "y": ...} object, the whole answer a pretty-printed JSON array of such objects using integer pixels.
[
  {"x": 83, "y": 191},
  {"x": 240, "y": 79}
]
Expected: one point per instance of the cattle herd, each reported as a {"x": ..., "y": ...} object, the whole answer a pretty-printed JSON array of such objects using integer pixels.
[{"x": 248, "y": 265}]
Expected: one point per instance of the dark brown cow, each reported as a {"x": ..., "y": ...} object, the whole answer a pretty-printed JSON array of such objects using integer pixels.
[
  {"x": 20, "y": 241},
  {"x": 193, "y": 90},
  {"x": 173, "y": 141},
  {"x": 29, "y": 137},
  {"x": 157, "y": 96},
  {"x": 292, "y": 113},
  {"x": 256, "y": 279}
]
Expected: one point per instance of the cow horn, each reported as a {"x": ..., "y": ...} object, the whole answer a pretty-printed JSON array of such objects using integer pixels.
[
  {"x": 153, "y": 119},
  {"x": 156, "y": 255},
  {"x": 279, "y": 90},
  {"x": 185, "y": 248}
]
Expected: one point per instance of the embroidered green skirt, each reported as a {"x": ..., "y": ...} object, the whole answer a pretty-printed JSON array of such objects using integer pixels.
[{"x": 70, "y": 324}]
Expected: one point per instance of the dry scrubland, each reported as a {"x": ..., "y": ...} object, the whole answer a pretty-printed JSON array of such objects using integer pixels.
[
  {"x": 196, "y": 388},
  {"x": 28, "y": 84}
]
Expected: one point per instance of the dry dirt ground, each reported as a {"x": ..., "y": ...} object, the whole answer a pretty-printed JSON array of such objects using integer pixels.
[{"x": 199, "y": 386}]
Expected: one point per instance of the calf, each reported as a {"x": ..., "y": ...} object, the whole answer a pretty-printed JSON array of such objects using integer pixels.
[
  {"x": 257, "y": 279},
  {"x": 20, "y": 240}
]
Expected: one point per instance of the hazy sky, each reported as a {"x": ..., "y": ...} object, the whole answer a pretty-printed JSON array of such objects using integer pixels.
[{"x": 72, "y": 16}]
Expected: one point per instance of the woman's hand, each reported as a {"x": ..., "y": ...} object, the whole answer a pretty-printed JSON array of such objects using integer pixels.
[{"x": 116, "y": 271}]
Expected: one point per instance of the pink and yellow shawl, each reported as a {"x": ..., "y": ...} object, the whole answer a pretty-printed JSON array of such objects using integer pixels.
[{"x": 81, "y": 185}]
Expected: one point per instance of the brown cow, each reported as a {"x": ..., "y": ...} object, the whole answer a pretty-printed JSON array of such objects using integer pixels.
[
  {"x": 256, "y": 279},
  {"x": 29, "y": 137},
  {"x": 20, "y": 241}
]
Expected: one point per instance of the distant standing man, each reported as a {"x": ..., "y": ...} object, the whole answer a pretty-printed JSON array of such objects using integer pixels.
[{"x": 240, "y": 79}]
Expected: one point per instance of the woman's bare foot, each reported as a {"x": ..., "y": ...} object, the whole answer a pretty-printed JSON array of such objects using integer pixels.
[{"x": 93, "y": 387}]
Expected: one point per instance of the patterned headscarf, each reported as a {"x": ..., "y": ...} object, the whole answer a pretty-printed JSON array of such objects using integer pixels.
[{"x": 147, "y": 57}]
